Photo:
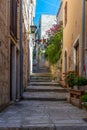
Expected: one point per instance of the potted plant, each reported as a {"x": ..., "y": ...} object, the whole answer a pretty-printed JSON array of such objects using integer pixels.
[
  {"x": 75, "y": 81},
  {"x": 77, "y": 85},
  {"x": 70, "y": 78}
]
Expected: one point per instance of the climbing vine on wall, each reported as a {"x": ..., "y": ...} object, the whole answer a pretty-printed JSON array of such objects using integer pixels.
[{"x": 54, "y": 45}]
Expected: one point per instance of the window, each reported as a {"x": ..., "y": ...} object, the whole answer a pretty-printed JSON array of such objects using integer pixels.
[
  {"x": 77, "y": 57},
  {"x": 31, "y": 1},
  {"x": 13, "y": 18},
  {"x": 65, "y": 13}
]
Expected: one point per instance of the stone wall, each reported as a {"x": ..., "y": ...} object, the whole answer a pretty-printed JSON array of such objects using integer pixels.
[
  {"x": 4, "y": 53},
  {"x": 24, "y": 58},
  {"x": 71, "y": 33},
  {"x": 56, "y": 71}
]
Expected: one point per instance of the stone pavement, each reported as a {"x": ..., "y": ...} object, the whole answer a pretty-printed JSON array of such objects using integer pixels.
[
  {"x": 44, "y": 107},
  {"x": 43, "y": 115}
]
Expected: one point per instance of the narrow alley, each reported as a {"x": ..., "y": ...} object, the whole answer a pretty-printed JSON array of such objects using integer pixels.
[
  {"x": 43, "y": 64},
  {"x": 44, "y": 107}
]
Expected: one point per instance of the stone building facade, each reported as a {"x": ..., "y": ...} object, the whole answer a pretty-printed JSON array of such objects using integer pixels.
[
  {"x": 14, "y": 49},
  {"x": 4, "y": 54},
  {"x": 74, "y": 36},
  {"x": 46, "y": 22},
  {"x": 10, "y": 50},
  {"x": 25, "y": 56},
  {"x": 28, "y": 38}
]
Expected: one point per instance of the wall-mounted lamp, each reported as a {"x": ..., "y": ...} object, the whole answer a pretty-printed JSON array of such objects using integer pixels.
[{"x": 33, "y": 28}]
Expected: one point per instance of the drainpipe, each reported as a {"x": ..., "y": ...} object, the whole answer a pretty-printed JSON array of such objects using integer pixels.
[
  {"x": 21, "y": 53},
  {"x": 83, "y": 33}
]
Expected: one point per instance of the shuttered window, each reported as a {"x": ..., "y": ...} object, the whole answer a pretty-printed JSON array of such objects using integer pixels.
[{"x": 13, "y": 18}]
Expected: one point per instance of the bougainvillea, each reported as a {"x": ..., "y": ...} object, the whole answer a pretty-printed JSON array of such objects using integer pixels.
[{"x": 54, "y": 48}]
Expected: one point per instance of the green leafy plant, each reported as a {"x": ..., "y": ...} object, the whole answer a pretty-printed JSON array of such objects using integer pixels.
[
  {"x": 84, "y": 98},
  {"x": 81, "y": 81},
  {"x": 54, "y": 47}
]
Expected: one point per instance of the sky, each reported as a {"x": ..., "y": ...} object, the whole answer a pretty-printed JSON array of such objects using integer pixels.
[{"x": 46, "y": 7}]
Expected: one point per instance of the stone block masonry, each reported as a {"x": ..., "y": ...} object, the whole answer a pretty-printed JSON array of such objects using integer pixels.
[
  {"x": 10, "y": 53},
  {"x": 25, "y": 53},
  {"x": 4, "y": 54}
]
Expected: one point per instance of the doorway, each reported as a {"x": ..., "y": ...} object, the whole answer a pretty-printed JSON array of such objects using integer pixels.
[
  {"x": 11, "y": 68},
  {"x": 65, "y": 61},
  {"x": 76, "y": 51},
  {"x": 12, "y": 72},
  {"x": 17, "y": 75}
]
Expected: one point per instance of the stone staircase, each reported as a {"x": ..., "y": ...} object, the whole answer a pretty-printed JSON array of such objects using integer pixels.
[
  {"x": 44, "y": 107},
  {"x": 42, "y": 88}
]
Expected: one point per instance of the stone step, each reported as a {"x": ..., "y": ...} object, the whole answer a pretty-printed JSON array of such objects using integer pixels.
[
  {"x": 40, "y": 77},
  {"x": 52, "y": 83},
  {"x": 44, "y": 99},
  {"x": 46, "y": 96},
  {"x": 45, "y": 89},
  {"x": 43, "y": 84},
  {"x": 41, "y": 74},
  {"x": 45, "y": 126},
  {"x": 40, "y": 80},
  {"x": 44, "y": 70}
]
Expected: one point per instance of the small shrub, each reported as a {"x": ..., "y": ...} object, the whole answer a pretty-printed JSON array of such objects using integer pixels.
[
  {"x": 84, "y": 98},
  {"x": 81, "y": 81}
]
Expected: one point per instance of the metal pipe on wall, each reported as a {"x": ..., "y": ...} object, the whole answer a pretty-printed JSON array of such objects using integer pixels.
[
  {"x": 83, "y": 33},
  {"x": 21, "y": 52}
]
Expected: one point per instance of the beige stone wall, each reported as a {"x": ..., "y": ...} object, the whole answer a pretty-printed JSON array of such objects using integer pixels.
[
  {"x": 56, "y": 71},
  {"x": 24, "y": 59},
  {"x": 72, "y": 31},
  {"x": 4, "y": 53},
  {"x": 5, "y": 41}
]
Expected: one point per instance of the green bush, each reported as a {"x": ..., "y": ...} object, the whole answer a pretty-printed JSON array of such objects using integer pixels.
[
  {"x": 54, "y": 47},
  {"x": 81, "y": 81},
  {"x": 84, "y": 98}
]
